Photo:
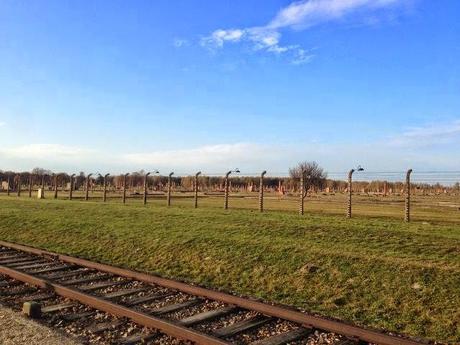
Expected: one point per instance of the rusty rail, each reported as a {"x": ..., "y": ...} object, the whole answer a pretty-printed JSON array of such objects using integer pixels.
[{"x": 348, "y": 330}]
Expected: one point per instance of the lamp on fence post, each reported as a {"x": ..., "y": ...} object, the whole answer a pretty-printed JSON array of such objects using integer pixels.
[
  {"x": 350, "y": 192},
  {"x": 227, "y": 186},
  {"x": 407, "y": 208},
  {"x": 196, "y": 188},
  {"x": 71, "y": 186},
  {"x": 87, "y": 186},
  {"x": 124, "y": 187},
  {"x": 168, "y": 197},
  {"x": 104, "y": 196},
  {"x": 261, "y": 191},
  {"x": 31, "y": 176},
  {"x": 8, "y": 185},
  {"x": 145, "y": 184}
]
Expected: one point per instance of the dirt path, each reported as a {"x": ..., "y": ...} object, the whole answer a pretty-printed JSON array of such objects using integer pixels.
[{"x": 15, "y": 329}]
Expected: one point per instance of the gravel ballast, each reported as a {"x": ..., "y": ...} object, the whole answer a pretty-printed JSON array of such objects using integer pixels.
[{"x": 16, "y": 329}]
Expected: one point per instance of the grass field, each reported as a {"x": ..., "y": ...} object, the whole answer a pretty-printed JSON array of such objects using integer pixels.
[
  {"x": 440, "y": 207},
  {"x": 371, "y": 270}
]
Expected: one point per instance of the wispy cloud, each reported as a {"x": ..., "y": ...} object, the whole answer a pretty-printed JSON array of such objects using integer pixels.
[
  {"x": 48, "y": 152},
  {"x": 221, "y": 157},
  {"x": 304, "y": 14},
  {"x": 299, "y": 15},
  {"x": 209, "y": 157},
  {"x": 428, "y": 135},
  {"x": 2, "y": 123},
  {"x": 424, "y": 147},
  {"x": 180, "y": 42}
]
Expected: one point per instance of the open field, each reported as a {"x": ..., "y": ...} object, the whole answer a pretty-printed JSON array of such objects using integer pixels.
[
  {"x": 376, "y": 271},
  {"x": 434, "y": 207}
]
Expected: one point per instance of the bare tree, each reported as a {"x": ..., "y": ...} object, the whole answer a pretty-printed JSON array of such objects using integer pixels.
[{"x": 314, "y": 175}]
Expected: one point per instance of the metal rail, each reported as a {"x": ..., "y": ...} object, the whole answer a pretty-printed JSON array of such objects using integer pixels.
[
  {"x": 351, "y": 331},
  {"x": 116, "y": 309}
]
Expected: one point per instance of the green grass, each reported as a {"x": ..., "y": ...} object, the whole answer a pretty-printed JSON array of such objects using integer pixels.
[{"x": 372, "y": 271}]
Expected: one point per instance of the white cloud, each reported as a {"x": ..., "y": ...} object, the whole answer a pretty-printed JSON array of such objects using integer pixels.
[
  {"x": 51, "y": 155},
  {"x": 47, "y": 152},
  {"x": 303, "y": 14},
  {"x": 179, "y": 42},
  {"x": 417, "y": 148},
  {"x": 302, "y": 56},
  {"x": 2, "y": 123},
  {"x": 220, "y": 157},
  {"x": 298, "y": 15},
  {"x": 428, "y": 135},
  {"x": 207, "y": 158},
  {"x": 218, "y": 37}
]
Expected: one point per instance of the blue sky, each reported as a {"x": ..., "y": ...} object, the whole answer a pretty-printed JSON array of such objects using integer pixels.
[{"x": 211, "y": 85}]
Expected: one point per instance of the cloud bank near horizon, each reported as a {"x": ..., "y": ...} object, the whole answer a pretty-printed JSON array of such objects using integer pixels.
[{"x": 424, "y": 147}]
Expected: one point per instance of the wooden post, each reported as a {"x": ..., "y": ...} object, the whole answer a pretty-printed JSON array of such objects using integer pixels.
[
  {"x": 168, "y": 197},
  {"x": 350, "y": 174},
  {"x": 196, "y": 188},
  {"x": 71, "y": 186},
  {"x": 8, "y": 185},
  {"x": 124, "y": 188},
  {"x": 261, "y": 191},
  {"x": 104, "y": 197},
  {"x": 226, "y": 190},
  {"x": 87, "y": 186},
  {"x": 408, "y": 190}
]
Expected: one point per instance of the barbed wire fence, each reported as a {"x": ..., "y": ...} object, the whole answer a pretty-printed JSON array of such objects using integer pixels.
[{"x": 221, "y": 184}]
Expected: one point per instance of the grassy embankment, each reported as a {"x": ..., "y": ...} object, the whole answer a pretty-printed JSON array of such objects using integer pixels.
[{"x": 378, "y": 272}]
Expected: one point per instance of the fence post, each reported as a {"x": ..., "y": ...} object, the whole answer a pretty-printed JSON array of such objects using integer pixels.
[
  {"x": 87, "y": 187},
  {"x": 55, "y": 178},
  {"x": 8, "y": 185},
  {"x": 302, "y": 192},
  {"x": 196, "y": 188},
  {"x": 408, "y": 190},
  {"x": 124, "y": 187},
  {"x": 104, "y": 197},
  {"x": 226, "y": 190},
  {"x": 19, "y": 185},
  {"x": 145, "y": 187},
  {"x": 43, "y": 186},
  {"x": 350, "y": 182},
  {"x": 30, "y": 185},
  {"x": 261, "y": 191},
  {"x": 168, "y": 197},
  {"x": 71, "y": 186}
]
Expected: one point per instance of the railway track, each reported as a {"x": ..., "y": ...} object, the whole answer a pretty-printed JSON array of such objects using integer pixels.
[{"x": 112, "y": 305}]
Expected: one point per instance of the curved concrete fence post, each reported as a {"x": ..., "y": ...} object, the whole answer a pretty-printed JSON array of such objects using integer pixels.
[
  {"x": 261, "y": 191},
  {"x": 168, "y": 197},
  {"x": 196, "y": 188},
  {"x": 87, "y": 186},
  {"x": 104, "y": 196},
  {"x": 408, "y": 192},
  {"x": 125, "y": 177},
  {"x": 72, "y": 179},
  {"x": 31, "y": 179}
]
